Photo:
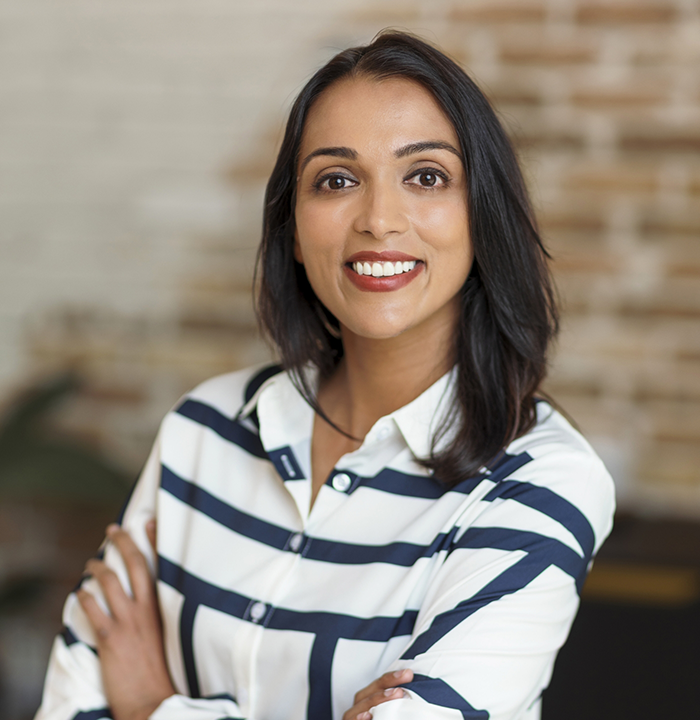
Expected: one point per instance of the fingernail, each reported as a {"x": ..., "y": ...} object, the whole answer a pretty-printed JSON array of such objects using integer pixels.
[
  {"x": 364, "y": 716},
  {"x": 112, "y": 528},
  {"x": 151, "y": 524},
  {"x": 390, "y": 691},
  {"x": 401, "y": 673}
]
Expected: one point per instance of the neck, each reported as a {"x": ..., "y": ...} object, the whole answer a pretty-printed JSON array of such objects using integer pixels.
[{"x": 377, "y": 377}]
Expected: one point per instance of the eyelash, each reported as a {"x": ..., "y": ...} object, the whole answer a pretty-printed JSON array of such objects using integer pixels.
[
  {"x": 430, "y": 171},
  {"x": 318, "y": 185}
]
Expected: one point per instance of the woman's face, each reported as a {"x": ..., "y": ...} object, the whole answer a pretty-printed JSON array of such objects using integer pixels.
[{"x": 381, "y": 209}]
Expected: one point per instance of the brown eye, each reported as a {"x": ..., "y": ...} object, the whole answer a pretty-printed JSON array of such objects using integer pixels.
[
  {"x": 428, "y": 178},
  {"x": 336, "y": 183}
]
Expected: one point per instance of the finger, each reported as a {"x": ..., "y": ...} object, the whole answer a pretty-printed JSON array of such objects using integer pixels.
[
  {"x": 388, "y": 680},
  {"x": 361, "y": 709},
  {"x": 151, "y": 533},
  {"x": 115, "y": 596},
  {"x": 136, "y": 565},
  {"x": 99, "y": 621}
]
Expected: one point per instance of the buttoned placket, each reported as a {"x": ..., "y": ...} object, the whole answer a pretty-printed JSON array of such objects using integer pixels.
[{"x": 293, "y": 463}]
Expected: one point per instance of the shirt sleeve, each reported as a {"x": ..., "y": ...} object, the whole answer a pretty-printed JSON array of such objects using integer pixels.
[
  {"x": 73, "y": 689},
  {"x": 501, "y": 605}
]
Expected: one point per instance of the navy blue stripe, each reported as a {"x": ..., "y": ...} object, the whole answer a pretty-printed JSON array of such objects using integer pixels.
[
  {"x": 223, "y": 426},
  {"x": 507, "y": 464},
  {"x": 256, "y": 381},
  {"x": 402, "y": 554},
  {"x": 320, "y": 704},
  {"x": 93, "y": 714},
  {"x": 221, "y": 696},
  {"x": 398, "y": 483},
  {"x": 515, "y": 578},
  {"x": 399, "y": 553},
  {"x": 543, "y": 552},
  {"x": 374, "y": 629},
  {"x": 69, "y": 638},
  {"x": 555, "y": 551},
  {"x": 420, "y": 486},
  {"x": 187, "y": 615},
  {"x": 200, "y": 592},
  {"x": 438, "y": 692},
  {"x": 551, "y": 504},
  {"x": 253, "y": 417},
  {"x": 99, "y": 555},
  {"x": 242, "y": 523}
]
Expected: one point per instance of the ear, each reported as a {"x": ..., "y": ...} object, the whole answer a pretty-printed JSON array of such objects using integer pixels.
[{"x": 297, "y": 248}]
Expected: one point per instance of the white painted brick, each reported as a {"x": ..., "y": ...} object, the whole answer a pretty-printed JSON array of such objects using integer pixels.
[{"x": 124, "y": 125}]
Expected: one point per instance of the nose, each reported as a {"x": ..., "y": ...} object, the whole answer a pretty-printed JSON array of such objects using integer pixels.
[{"x": 381, "y": 211}]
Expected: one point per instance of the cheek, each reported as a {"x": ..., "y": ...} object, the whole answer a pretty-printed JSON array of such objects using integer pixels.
[
  {"x": 446, "y": 218},
  {"x": 445, "y": 227},
  {"x": 319, "y": 234}
]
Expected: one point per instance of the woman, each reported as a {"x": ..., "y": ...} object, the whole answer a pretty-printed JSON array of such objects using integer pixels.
[{"x": 394, "y": 521}]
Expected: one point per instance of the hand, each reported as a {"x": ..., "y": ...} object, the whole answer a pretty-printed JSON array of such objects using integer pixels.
[
  {"x": 378, "y": 692},
  {"x": 130, "y": 640}
]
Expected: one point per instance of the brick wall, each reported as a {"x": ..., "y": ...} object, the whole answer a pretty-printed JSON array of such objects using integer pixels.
[{"x": 136, "y": 139}]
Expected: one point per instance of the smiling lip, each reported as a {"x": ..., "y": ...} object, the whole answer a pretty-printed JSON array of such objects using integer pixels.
[{"x": 368, "y": 283}]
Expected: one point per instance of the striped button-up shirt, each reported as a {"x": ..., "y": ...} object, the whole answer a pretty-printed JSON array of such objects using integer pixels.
[{"x": 273, "y": 610}]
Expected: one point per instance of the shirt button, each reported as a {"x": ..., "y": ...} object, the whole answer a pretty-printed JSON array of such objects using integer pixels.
[
  {"x": 341, "y": 482},
  {"x": 295, "y": 542},
  {"x": 383, "y": 433},
  {"x": 257, "y": 612}
]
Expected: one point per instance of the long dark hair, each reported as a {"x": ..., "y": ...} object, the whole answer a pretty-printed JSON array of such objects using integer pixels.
[{"x": 508, "y": 310}]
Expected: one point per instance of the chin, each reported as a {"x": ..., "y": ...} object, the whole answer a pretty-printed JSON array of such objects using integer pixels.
[{"x": 380, "y": 330}]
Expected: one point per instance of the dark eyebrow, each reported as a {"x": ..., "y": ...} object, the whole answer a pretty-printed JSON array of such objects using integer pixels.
[
  {"x": 350, "y": 154},
  {"x": 427, "y": 145},
  {"x": 341, "y": 152}
]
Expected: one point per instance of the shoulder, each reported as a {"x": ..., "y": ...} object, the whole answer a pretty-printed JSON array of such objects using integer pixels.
[
  {"x": 229, "y": 392},
  {"x": 210, "y": 416},
  {"x": 215, "y": 404},
  {"x": 559, "y": 472}
]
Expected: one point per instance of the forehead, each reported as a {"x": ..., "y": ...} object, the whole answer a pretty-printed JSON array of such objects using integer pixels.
[{"x": 385, "y": 113}]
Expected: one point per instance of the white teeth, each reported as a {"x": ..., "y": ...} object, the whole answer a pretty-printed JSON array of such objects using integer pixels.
[{"x": 386, "y": 269}]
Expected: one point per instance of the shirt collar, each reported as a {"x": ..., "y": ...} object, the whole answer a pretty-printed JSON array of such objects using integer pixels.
[
  {"x": 286, "y": 418},
  {"x": 419, "y": 419}
]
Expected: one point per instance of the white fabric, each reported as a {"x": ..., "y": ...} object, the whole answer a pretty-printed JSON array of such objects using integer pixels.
[{"x": 474, "y": 588}]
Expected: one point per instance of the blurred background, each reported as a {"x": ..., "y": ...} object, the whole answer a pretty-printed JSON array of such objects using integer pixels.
[{"x": 135, "y": 142}]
